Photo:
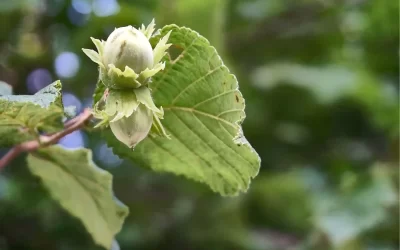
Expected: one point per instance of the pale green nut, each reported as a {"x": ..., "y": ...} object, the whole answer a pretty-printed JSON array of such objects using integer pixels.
[
  {"x": 133, "y": 129},
  {"x": 126, "y": 59},
  {"x": 128, "y": 46}
]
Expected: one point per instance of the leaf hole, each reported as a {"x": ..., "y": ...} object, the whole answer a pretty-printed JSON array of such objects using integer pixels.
[
  {"x": 121, "y": 213},
  {"x": 175, "y": 51}
]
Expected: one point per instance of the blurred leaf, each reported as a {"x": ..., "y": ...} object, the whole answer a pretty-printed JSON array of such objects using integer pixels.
[
  {"x": 6, "y": 6},
  {"x": 81, "y": 188},
  {"x": 260, "y": 9},
  {"x": 328, "y": 84},
  {"x": 203, "y": 112},
  {"x": 381, "y": 37},
  {"x": 332, "y": 83},
  {"x": 23, "y": 117},
  {"x": 273, "y": 192},
  {"x": 381, "y": 100},
  {"x": 207, "y": 17},
  {"x": 5, "y": 89},
  {"x": 344, "y": 216}
]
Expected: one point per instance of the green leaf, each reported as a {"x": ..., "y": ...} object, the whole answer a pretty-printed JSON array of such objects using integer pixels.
[
  {"x": 23, "y": 117},
  {"x": 81, "y": 188},
  {"x": 203, "y": 113}
]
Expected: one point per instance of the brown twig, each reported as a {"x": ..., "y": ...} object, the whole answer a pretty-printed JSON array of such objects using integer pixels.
[{"x": 70, "y": 126}]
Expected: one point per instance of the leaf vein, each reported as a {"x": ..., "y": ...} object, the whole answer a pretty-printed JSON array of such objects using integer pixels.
[
  {"x": 235, "y": 126},
  {"x": 163, "y": 76},
  {"x": 194, "y": 82},
  {"x": 214, "y": 97},
  {"x": 198, "y": 156},
  {"x": 212, "y": 149},
  {"x": 226, "y": 145}
]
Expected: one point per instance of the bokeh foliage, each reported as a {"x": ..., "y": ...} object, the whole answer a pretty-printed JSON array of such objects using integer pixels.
[{"x": 320, "y": 79}]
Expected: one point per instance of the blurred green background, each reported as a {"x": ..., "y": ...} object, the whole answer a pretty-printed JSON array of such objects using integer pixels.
[{"x": 320, "y": 78}]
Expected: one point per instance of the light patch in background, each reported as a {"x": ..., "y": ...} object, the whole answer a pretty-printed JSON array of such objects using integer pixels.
[
  {"x": 257, "y": 10},
  {"x": 73, "y": 140},
  {"x": 327, "y": 83},
  {"x": 87, "y": 102},
  {"x": 77, "y": 18},
  {"x": 38, "y": 79},
  {"x": 82, "y": 6},
  {"x": 66, "y": 64},
  {"x": 115, "y": 245},
  {"x": 105, "y": 7},
  {"x": 71, "y": 100},
  {"x": 60, "y": 37},
  {"x": 105, "y": 155},
  {"x": 54, "y": 7}
]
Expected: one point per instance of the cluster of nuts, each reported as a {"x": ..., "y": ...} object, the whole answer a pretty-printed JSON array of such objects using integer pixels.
[{"x": 126, "y": 64}]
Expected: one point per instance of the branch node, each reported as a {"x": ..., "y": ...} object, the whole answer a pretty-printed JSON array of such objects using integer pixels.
[{"x": 47, "y": 140}]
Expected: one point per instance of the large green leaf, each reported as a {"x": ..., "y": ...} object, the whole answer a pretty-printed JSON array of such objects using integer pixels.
[
  {"x": 81, "y": 188},
  {"x": 203, "y": 113},
  {"x": 23, "y": 117}
]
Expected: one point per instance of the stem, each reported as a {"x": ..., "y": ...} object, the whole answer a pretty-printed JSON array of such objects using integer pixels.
[{"x": 29, "y": 146}]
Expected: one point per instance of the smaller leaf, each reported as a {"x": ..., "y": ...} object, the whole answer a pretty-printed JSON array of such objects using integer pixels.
[
  {"x": 23, "y": 117},
  {"x": 82, "y": 189}
]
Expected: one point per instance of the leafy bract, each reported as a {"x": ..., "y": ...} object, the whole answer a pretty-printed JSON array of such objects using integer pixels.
[
  {"x": 81, "y": 188},
  {"x": 203, "y": 114},
  {"x": 23, "y": 117}
]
